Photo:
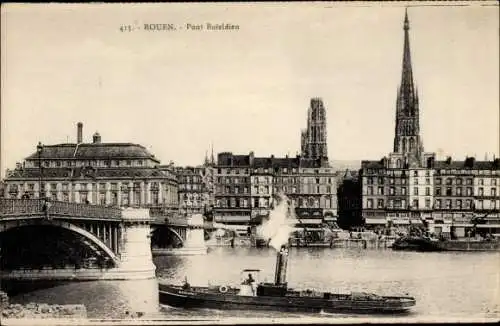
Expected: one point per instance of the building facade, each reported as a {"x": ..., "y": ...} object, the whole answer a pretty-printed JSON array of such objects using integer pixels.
[
  {"x": 195, "y": 189},
  {"x": 97, "y": 173},
  {"x": 246, "y": 185}
]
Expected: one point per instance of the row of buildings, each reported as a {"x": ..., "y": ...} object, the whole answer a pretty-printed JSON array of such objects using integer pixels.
[{"x": 406, "y": 187}]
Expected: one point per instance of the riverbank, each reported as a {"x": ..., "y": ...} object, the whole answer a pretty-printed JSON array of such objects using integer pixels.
[{"x": 44, "y": 311}]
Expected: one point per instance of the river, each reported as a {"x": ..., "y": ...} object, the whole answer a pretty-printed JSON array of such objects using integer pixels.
[{"x": 445, "y": 284}]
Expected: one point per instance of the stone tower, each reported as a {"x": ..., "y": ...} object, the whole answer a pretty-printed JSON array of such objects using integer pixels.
[
  {"x": 313, "y": 139},
  {"x": 407, "y": 139}
]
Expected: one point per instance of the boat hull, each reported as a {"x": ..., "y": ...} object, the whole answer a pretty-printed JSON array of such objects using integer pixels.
[
  {"x": 422, "y": 244},
  {"x": 173, "y": 296}
]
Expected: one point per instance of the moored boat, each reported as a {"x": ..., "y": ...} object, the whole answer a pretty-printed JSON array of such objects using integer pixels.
[
  {"x": 251, "y": 295},
  {"x": 419, "y": 243}
]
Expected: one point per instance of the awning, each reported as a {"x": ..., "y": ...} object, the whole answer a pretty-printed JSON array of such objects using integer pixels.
[
  {"x": 416, "y": 222},
  {"x": 375, "y": 221},
  {"x": 487, "y": 226},
  {"x": 401, "y": 221},
  {"x": 310, "y": 221},
  {"x": 462, "y": 225},
  {"x": 234, "y": 227},
  {"x": 235, "y": 218}
]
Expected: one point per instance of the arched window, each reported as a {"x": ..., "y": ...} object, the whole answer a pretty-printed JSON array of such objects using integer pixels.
[
  {"x": 398, "y": 163},
  {"x": 412, "y": 144},
  {"x": 404, "y": 145}
]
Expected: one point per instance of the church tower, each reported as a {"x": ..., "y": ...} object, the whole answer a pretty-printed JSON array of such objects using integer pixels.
[
  {"x": 313, "y": 139},
  {"x": 407, "y": 139}
]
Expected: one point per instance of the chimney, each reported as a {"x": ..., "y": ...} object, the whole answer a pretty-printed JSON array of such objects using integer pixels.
[
  {"x": 281, "y": 263},
  {"x": 79, "y": 132},
  {"x": 96, "y": 139}
]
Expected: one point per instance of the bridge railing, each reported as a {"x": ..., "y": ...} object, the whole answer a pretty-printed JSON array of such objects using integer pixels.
[{"x": 13, "y": 207}]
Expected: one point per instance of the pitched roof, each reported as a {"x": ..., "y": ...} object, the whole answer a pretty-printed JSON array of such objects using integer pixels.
[{"x": 93, "y": 151}]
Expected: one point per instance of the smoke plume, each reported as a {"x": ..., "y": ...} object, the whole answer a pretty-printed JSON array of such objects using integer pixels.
[{"x": 277, "y": 228}]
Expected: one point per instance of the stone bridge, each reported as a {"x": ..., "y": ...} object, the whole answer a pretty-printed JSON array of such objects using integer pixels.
[{"x": 42, "y": 239}]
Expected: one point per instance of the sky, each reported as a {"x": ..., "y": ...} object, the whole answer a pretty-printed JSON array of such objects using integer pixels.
[{"x": 178, "y": 92}]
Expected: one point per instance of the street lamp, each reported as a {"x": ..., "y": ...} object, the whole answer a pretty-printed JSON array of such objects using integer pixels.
[{"x": 39, "y": 149}]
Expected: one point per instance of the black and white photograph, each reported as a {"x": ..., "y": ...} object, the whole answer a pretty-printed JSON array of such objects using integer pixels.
[{"x": 249, "y": 163}]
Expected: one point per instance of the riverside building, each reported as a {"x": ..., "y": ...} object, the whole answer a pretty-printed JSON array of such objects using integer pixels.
[
  {"x": 96, "y": 173},
  {"x": 410, "y": 187},
  {"x": 196, "y": 188},
  {"x": 245, "y": 186}
]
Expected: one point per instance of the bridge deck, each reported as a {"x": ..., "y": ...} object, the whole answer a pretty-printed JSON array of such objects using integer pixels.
[{"x": 22, "y": 208}]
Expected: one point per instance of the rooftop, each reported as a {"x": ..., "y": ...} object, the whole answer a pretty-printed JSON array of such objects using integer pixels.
[{"x": 94, "y": 151}]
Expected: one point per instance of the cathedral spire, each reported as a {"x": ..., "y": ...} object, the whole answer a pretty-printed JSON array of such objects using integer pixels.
[
  {"x": 407, "y": 74},
  {"x": 407, "y": 140}
]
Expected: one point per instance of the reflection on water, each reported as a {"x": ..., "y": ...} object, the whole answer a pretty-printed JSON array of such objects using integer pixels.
[{"x": 450, "y": 284}]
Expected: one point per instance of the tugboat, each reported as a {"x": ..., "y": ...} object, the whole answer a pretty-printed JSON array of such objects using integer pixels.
[{"x": 277, "y": 296}]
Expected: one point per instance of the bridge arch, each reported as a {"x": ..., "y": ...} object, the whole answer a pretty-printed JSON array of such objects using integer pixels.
[
  {"x": 159, "y": 230},
  {"x": 8, "y": 225}
]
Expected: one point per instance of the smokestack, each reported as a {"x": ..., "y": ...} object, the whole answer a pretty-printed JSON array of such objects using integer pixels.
[
  {"x": 281, "y": 264},
  {"x": 79, "y": 132}
]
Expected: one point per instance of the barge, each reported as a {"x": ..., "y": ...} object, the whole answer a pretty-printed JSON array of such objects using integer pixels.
[{"x": 428, "y": 244}]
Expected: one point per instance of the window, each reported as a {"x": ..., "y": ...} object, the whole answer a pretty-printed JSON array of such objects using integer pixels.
[
  {"x": 493, "y": 182},
  {"x": 481, "y": 182},
  {"x": 415, "y": 191},
  {"x": 438, "y": 181},
  {"x": 493, "y": 192},
  {"x": 370, "y": 203},
  {"x": 448, "y": 191},
  {"x": 427, "y": 191},
  {"x": 480, "y": 204},
  {"x": 468, "y": 203},
  {"x": 448, "y": 203},
  {"x": 403, "y": 203},
  {"x": 469, "y": 191},
  {"x": 459, "y": 181},
  {"x": 427, "y": 203},
  {"x": 391, "y": 190},
  {"x": 403, "y": 191},
  {"x": 415, "y": 173},
  {"x": 438, "y": 203},
  {"x": 403, "y": 181},
  {"x": 468, "y": 181},
  {"x": 415, "y": 203},
  {"x": 380, "y": 190},
  {"x": 370, "y": 180},
  {"x": 427, "y": 181},
  {"x": 415, "y": 181},
  {"x": 459, "y": 204},
  {"x": 427, "y": 173},
  {"x": 459, "y": 191},
  {"x": 448, "y": 181},
  {"x": 102, "y": 198},
  {"x": 125, "y": 199},
  {"x": 380, "y": 180},
  {"x": 391, "y": 203},
  {"x": 480, "y": 191},
  {"x": 370, "y": 190},
  {"x": 380, "y": 203},
  {"x": 236, "y": 190},
  {"x": 391, "y": 181}
]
